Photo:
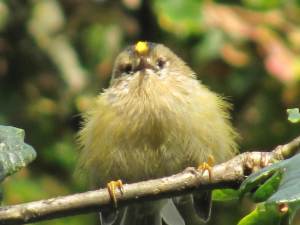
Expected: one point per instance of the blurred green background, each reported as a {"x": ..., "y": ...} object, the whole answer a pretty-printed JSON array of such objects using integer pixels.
[{"x": 55, "y": 56}]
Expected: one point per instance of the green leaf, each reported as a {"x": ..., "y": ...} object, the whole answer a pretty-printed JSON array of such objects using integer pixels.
[
  {"x": 293, "y": 115},
  {"x": 227, "y": 194},
  {"x": 256, "y": 179},
  {"x": 277, "y": 184},
  {"x": 268, "y": 188},
  {"x": 263, "y": 214},
  {"x": 14, "y": 153}
]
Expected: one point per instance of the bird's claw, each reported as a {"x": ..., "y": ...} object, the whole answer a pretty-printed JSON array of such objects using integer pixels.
[
  {"x": 206, "y": 166},
  {"x": 111, "y": 187}
]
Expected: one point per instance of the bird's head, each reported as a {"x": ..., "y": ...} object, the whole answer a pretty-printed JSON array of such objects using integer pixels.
[{"x": 147, "y": 61}]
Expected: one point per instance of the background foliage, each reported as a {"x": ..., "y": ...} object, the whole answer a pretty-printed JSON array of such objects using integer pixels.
[{"x": 56, "y": 55}]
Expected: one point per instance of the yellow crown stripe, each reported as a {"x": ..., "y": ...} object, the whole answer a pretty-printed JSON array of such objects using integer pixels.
[{"x": 141, "y": 47}]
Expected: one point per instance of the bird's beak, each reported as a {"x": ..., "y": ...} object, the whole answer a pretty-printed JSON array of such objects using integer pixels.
[{"x": 144, "y": 63}]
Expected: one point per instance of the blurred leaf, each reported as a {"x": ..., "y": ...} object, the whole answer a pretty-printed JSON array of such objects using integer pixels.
[
  {"x": 94, "y": 43},
  {"x": 222, "y": 195},
  {"x": 132, "y": 4},
  {"x": 62, "y": 154},
  {"x": 4, "y": 14},
  {"x": 293, "y": 115},
  {"x": 209, "y": 47},
  {"x": 100, "y": 44},
  {"x": 26, "y": 187},
  {"x": 14, "y": 153},
  {"x": 263, "y": 4},
  {"x": 234, "y": 55},
  {"x": 173, "y": 18},
  {"x": 288, "y": 192},
  {"x": 45, "y": 26}
]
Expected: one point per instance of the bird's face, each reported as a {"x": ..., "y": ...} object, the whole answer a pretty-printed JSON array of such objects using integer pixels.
[{"x": 147, "y": 61}]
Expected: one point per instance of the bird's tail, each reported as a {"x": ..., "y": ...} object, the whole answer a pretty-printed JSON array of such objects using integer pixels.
[
  {"x": 150, "y": 213},
  {"x": 195, "y": 208}
]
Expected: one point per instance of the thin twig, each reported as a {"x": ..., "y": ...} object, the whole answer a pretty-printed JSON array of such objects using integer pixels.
[{"x": 228, "y": 174}]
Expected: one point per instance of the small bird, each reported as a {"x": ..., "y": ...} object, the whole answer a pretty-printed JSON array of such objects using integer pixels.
[{"x": 154, "y": 120}]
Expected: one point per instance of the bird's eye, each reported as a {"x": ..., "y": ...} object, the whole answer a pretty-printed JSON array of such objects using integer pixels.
[
  {"x": 127, "y": 68},
  {"x": 161, "y": 63}
]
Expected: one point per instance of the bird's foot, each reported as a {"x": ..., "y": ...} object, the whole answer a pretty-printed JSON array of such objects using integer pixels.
[
  {"x": 206, "y": 166},
  {"x": 111, "y": 187}
]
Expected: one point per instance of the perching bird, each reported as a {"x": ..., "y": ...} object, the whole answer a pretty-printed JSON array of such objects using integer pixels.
[{"x": 155, "y": 120}]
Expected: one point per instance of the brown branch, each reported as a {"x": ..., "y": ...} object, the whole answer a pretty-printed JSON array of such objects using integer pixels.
[{"x": 228, "y": 174}]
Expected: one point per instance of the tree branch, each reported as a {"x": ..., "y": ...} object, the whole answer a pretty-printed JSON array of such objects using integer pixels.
[{"x": 227, "y": 174}]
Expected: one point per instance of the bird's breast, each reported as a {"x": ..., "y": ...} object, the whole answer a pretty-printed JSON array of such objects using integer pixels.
[{"x": 151, "y": 112}]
